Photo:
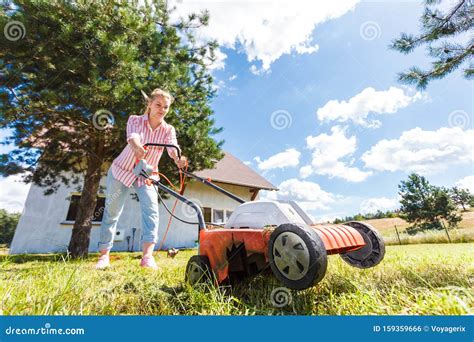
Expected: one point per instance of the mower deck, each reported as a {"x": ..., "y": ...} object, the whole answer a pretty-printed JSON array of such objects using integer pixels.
[{"x": 219, "y": 243}]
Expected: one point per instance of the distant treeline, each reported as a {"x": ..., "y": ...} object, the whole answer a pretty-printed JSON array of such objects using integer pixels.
[{"x": 370, "y": 216}]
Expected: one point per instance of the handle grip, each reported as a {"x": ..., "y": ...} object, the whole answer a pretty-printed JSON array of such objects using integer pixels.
[
  {"x": 161, "y": 145},
  {"x": 164, "y": 145},
  {"x": 155, "y": 170}
]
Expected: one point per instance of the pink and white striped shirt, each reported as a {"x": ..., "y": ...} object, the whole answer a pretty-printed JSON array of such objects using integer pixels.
[{"x": 138, "y": 126}]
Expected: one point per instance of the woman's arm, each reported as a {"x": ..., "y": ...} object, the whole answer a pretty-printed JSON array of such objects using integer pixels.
[
  {"x": 180, "y": 162},
  {"x": 137, "y": 147},
  {"x": 133, "y": 136}
]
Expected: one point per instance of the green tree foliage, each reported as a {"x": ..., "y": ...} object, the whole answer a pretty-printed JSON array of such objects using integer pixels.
[
  {"x": 471, "y": 202},
  {"x": 426, "y": 205},
  {"x": 442, "y": 29},
  {"x": 8, "y": 222},
  {"x": 70, "y": 80},
  {"x": 462, "y": 197}
]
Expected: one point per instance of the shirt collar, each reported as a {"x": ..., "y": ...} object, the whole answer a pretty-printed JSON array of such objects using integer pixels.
[{"x": 147, "y": 122}]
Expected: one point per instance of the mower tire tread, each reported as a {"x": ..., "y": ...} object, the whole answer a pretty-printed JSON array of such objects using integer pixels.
[
  {"x": 374, "y": 250},
  {"x": 316, "y": 268}
]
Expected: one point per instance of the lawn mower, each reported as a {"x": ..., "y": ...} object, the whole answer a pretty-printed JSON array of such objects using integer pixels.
[{"x": 266, "y": 234}]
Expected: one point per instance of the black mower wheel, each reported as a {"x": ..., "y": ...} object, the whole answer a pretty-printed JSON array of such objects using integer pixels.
[
  {"x": 373, "y": 251},
  {"x": 198, "y": 270},
  {"x": 297, "y": 256}
]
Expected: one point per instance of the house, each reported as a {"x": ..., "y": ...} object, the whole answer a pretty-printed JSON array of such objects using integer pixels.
[{"x": 46, "y": 223}]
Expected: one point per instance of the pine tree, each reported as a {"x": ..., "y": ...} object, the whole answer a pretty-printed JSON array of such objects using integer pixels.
[
  {"x": 444, "y": 29},
  {"x": 426, "y": 205},
  {"x": 70, "y": 81},
  {"x": 461, "y": 197}
]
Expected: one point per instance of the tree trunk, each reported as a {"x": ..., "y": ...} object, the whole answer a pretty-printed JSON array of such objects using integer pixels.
[{"x": 79, "y": 244}]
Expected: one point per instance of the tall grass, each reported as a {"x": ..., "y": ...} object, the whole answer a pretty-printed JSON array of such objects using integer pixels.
[
  {"x": 428, "y": 237},
  {"x": 415, "y": 279}
]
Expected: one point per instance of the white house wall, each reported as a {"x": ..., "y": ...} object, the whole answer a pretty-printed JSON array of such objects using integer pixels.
[{"x": 41, "y": 227}]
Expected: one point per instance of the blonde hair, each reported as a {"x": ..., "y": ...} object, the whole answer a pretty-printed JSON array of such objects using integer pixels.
[{"x": 154, "y": 94}]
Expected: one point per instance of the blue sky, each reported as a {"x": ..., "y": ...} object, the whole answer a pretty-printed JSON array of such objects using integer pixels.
[
  {"x": 302, "y": 64},
  {"x": 344, "y": 65}
]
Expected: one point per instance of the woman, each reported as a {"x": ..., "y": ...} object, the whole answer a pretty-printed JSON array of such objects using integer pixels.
[{"x": 148, "y": 128}]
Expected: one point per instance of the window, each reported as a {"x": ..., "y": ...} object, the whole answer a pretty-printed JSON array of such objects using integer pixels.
[
  {"x": 74, "y": 205},
  {"x": 207, "y": 212},
  {"x": 218, "y": 216}
]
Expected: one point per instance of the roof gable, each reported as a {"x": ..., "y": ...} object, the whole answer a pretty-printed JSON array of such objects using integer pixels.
[{"x": 232, "y": 171}]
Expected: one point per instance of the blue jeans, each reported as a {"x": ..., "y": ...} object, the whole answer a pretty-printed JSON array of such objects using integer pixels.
[{"x": 116, "y": 193}]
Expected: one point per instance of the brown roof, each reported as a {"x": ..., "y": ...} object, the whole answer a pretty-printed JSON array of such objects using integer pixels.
[{"x": 232, "y": 171}]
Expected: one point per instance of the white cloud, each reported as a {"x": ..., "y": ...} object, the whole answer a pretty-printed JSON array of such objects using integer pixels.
[
  {"x": 288, "y": 158},
  {"x": 256, "y": 71},
  {"x": 309, "y": 195},
  {"x": 424, "y": 152},
  {"x": 219, "y": 60},
  {"x": 329, "y": 152},
  {"x": 466, "y": 183},
  {"x": 219, "y": 85},
  {"x": 13, "y": 193},
  {"x": 372, "y": 205},
  {"x": 446, "y": 5},
  {"x": 369, "y": 100},
  {"x": 223, "y": 88},
  {"x": 306, "y": 171},
  {"x": 325, "y": 218},
  {"x": 264, "y": 30},
  {"x": 233, "y": 77}
]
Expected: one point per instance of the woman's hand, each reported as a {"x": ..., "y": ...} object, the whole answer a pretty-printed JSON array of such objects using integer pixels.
[
  {"x": 181, "y": 163},
  {"x": 137, "y": 148},
  {"x": 139, "y": 152}
]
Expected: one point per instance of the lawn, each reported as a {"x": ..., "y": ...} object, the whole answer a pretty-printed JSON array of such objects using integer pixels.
[{"x": 413, "y": 279}]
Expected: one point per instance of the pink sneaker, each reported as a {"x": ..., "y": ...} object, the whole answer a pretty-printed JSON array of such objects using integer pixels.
[
  {"x": 148, "y": 262},
  {"x": 103, "y": 262}
]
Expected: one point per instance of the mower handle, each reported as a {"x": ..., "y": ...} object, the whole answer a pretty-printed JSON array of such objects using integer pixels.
[
  {"x": 165, "y": 145},
  {"x": 197, "y": 209}
]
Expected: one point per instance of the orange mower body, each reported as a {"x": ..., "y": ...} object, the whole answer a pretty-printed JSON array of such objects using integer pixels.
[
  {"x": 248, "y": 248},
  {"x": 279, "y": 235}
]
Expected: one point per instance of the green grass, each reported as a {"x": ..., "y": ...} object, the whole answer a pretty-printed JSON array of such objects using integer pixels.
[{"x": 412, "y": 280}]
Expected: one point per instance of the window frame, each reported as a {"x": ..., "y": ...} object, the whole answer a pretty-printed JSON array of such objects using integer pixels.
[
  {"x": 94, "y": 222},
  {"x": 214, "y": 218}
]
